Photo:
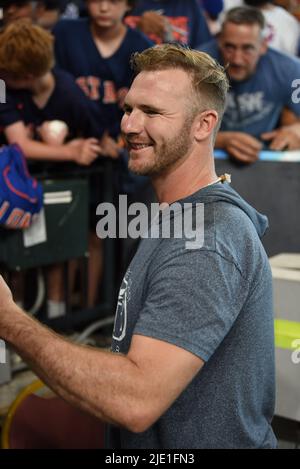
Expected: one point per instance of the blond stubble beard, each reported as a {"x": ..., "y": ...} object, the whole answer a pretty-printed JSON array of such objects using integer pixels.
[{"x": 169, "y": 153}]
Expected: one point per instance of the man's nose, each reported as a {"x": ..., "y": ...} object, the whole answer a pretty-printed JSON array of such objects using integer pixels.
[
  {"x": 104, "y": 5},
  {"x": 237, "y": 57},
  {"x": 132, "y": 123}
]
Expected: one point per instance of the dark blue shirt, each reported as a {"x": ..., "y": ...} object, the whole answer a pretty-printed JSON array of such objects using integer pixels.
[
  {"x": 104, "y": 80},
  {"x": 254, "y": 105},
  {"x": 66, "y": 103},
  {"x": 213, "y": 7},
  {"x": 186, "y": 17}
]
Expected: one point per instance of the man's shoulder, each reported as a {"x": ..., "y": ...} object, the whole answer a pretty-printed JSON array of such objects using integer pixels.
[
  {"x": 209, "y": 226},
  {"x": 279, "y": 60}
]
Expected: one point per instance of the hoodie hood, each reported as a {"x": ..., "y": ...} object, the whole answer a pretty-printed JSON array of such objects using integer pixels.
[{"x": 222, "y": 192}]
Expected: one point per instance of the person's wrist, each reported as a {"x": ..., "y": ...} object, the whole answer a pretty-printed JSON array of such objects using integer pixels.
[
  {"x": 222, "y": 139},
  {"x": 68, "y": 152},
  {"x": 9, "y": 315},
  {"x": 295, "y": 128}
]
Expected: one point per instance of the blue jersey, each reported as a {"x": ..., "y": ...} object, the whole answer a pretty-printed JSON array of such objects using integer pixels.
[
  {"x": 104, "y": 80},
  {"x": 66, "y": 103},
  {"x": 213, "y": 7},
  {"x": 254, "y": 105},
  {"x": 186, "y": 17}
]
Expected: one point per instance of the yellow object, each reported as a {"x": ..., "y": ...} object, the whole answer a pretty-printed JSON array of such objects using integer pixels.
[
  {"x": 287, "y": 334},
  {"x": 30, "y": 389}
]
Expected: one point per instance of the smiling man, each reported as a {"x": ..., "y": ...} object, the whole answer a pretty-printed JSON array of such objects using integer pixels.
[
  {"x": 152, "y": 153},
  {"x": 260, "y": 88},
  {"x": 192, "y": 359}
]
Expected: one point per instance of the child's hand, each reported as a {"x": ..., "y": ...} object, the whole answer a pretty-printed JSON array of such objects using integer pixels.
[{"x": 109, "y": 146}]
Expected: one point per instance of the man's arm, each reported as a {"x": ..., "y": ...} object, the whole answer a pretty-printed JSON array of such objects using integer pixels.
[
  {"x": 132, "y": 391},
  {"x": 81, "y": 151}
]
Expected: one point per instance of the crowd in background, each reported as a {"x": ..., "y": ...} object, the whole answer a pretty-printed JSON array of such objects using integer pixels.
[{"x": 69, "y": 61}]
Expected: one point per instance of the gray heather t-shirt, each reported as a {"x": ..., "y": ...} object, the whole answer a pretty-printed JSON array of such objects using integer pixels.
[{"x": 215, "y": 302}]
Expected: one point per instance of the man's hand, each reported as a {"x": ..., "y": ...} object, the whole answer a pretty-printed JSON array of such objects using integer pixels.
[
  {"x": 109, "y": 146},
  {"x": 153, "y": 23},
  {"x": 240, "y": 145},
  {"x": 84, "y": 151},
  {"x": 285, "y": 138}
]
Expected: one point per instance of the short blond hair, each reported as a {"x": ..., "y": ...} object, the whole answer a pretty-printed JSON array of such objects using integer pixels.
[
  {"x": 25, "y": 49},
  {"x": 208, "y": 78}
]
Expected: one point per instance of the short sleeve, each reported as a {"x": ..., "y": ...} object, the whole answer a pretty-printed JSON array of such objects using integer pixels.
[
  {"x": 192, "y": 301},
  {"x": 292, "y": 72},
  {"x": 9, "y": 113}
]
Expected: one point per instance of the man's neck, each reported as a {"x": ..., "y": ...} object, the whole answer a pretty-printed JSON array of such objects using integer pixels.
[{"x": 185, "y": 179}]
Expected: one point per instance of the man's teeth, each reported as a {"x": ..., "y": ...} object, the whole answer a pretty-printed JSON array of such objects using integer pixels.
[{"x": 139, "y": 146}]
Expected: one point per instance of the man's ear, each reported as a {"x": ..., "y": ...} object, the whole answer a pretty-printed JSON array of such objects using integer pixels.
[
  {"x": 204, "y": 124},
  {"x": 264, "y": 47}
]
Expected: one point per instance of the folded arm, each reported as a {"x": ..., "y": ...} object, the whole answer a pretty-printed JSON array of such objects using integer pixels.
[{"x": 81, "y": 151}]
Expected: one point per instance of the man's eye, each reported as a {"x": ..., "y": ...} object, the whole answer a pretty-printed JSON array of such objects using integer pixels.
[{"x": 151, "y": 112}]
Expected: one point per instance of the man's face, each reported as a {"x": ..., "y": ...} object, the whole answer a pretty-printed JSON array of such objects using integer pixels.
[
  {"x": 157, "y": 121},
  {"x": 241, "y": 47},
  {"x": 107, "y": 13},
  {"x": 17, "y": 11}
]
